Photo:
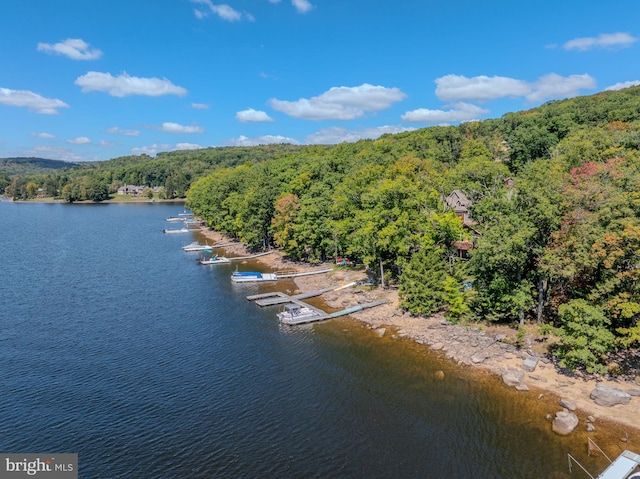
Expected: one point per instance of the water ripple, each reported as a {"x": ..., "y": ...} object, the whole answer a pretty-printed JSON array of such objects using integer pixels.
[{"x": 116, "y": 345}]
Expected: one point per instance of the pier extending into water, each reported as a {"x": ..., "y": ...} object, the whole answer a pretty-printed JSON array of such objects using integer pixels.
[
  {"x": 238, "y": 258},
  {"x": 277, "y": 297}
]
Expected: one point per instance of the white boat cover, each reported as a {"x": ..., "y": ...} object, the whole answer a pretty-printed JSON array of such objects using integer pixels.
[{"x": 623, "y": 465}]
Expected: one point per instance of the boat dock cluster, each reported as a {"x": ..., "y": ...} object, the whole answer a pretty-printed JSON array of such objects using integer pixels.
[
  {"x": 299, "y": 312},
  {"x": 295, "y": 310}
]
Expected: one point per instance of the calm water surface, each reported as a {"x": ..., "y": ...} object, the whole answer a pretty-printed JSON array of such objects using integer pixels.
[{"x": 117, "y": 345}]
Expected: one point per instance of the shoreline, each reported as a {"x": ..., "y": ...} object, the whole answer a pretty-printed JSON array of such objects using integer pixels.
[
  {"x": 117, "y": 199},
  {"x": 482, "y": 348}
]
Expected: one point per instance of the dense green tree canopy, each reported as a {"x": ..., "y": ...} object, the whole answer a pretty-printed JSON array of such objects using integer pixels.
[{"x": 552, "y": 233}]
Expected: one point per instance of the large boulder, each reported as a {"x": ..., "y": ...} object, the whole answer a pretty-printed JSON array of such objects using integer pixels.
[
  {"x": 608, "y": 396},
  {"x": 568, "y": 404},
  {"x": 478, "y": 358},
  {"x": 564, "y": 423},
  {"x": 513, "y": 377},
  {"x": 530, "y": 363}
]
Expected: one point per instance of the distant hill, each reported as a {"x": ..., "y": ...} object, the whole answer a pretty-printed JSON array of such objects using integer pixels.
[{"x": 27, "y": 166}]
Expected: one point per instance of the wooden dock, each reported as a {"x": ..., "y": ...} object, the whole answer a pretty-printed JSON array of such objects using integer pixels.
[
  {"x": 238, "y": 258},
  {"x": 254, "y": 276},
  {"x": 222, "y": 245},
  {"x": 306, "y": 273},
  {"x": 322, "y": 315},
  {"x": 275, "y": 298}
]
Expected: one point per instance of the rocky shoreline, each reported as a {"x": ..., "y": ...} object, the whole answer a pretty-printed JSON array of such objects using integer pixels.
[{"x": 597, "y": 399}]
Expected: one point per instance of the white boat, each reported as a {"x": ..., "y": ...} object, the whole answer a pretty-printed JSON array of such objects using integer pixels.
[
  {"x": 174, "y": 218},
  {"x": 181, "y": 230},
  {"x": 252, "y": 276},
  {"x": 214, "y": 260},
  {"x": 195, "y": 246},
  {"x": 625, "y": 466},
  {"x": 294, "y": 313}
]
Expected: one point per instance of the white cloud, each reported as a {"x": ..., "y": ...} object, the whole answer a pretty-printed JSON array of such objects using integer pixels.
[
  {"x": 605, "y": 40},
  {"x": 225, "y": 12},
  {"x": 44, "y": 135},
  {"x": 188, "y": 146},
  {"x": 32, "y": 101},
  {"x": 81, "y": 140},
  {"x": 458, "y": 112},
  {"x": 74, "y": 48},
  {"x": 106, "y": 144},
  {"x": 200, "y": 106},
  {"x": 453, "y": 88},
  {"x": 151, "y": 150},
  {"x": 170, "y": 127},
  {"x": 124, "y": 85},
  {"x": 117, "y": 131},
  {"x": 555, "y": 86},
  {"x": 335, "y": 135},
  {"x": 626, "y": 84},
  {"x": 302, "y": 6},
  {"x": 261, "y": 140},
  {"x": 55, "y": 153},
  {"x": 251, "y": 115},
  {"x": 340, "y": 103}
]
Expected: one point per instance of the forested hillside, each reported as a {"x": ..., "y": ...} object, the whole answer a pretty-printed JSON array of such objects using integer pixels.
[
  {"x": 553, "y": 235},
  {"x": 175, "y": 171},
  {"x": 23, "y": 166},
  {"x": 11, "y": 167}
]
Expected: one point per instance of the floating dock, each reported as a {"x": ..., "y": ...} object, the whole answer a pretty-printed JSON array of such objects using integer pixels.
[
  {"x": 293, "y": 274},
  {"x": 238, "y": 258},
  {"x": 274, "y": 298},
  {"x": 254, "y": 276},
  {"x": 222, "y": 245}
]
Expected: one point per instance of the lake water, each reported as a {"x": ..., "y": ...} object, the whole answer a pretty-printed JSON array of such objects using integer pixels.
[{"x": 118, "y": 346}]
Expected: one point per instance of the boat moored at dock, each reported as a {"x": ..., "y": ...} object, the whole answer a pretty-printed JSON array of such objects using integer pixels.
[
  {"x": 214, "y": 260},
  {"x": 195, "y": 246},
  {"x": 178, "y": 231},
  {"x": 296, "y": 314},
  {"x": 252, "y": 276},
  {"x": 625, "y": 466}
]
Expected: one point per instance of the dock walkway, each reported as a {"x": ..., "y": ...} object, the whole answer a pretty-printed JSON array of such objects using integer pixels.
[
  {"x": 276, "y": 297},
  {"x": 238, "y": 258},
  {"x": 293, "y": 274}
]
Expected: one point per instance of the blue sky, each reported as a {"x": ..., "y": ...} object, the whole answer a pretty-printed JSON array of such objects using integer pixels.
[{"x": 96, "y": 80}]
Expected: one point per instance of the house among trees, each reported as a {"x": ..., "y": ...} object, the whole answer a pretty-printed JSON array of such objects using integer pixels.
[
  {"x": 134, "y": 190},
  {"x": 130, "y": 190},
  {"x": 460, "y": 204}
]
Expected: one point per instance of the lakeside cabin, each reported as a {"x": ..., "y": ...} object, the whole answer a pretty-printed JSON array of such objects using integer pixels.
[
  {"x": 460, "y": 205},
  {"x": 136, "y": 190}
]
